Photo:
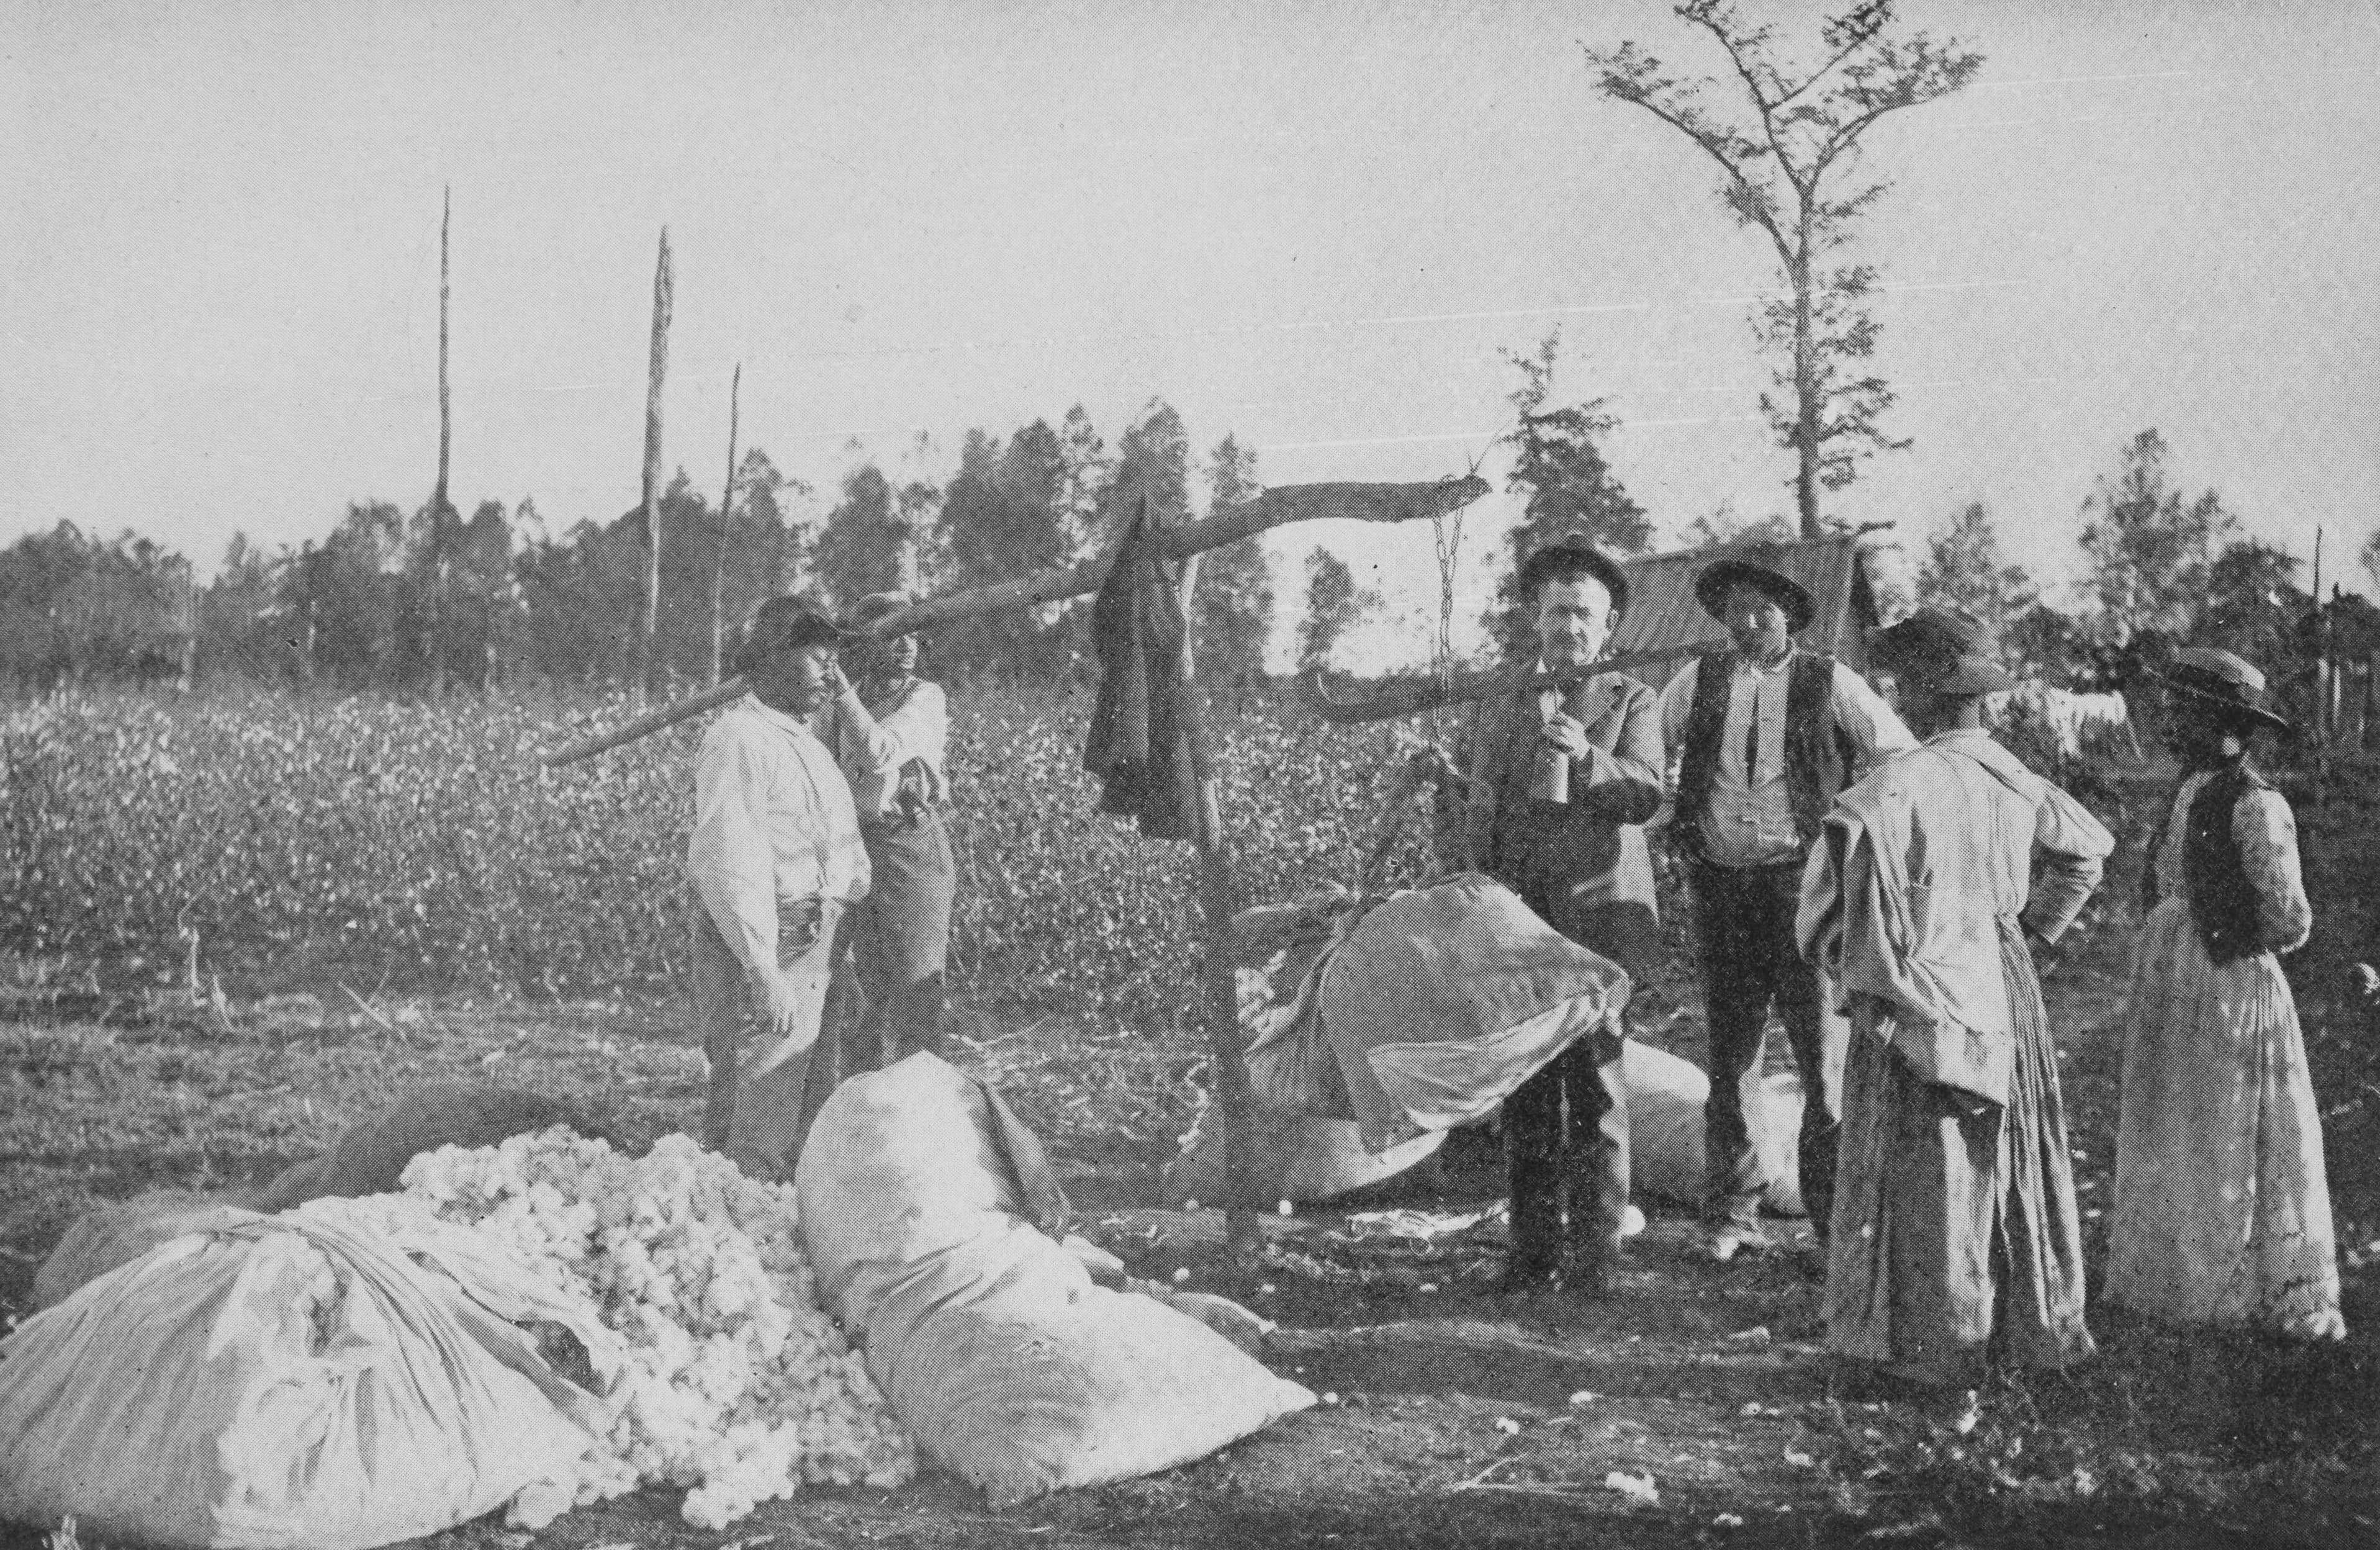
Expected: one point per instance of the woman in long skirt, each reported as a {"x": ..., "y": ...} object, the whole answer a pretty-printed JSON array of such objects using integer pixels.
[
  {"x": 2222, "y": 1209},
  {"x": 889, "y": 739}
]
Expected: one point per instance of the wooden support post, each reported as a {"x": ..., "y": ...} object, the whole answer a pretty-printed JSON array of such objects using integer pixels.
[
  {"x": 1219, "y": 901},
  {"x": 1218, "y": 898}
]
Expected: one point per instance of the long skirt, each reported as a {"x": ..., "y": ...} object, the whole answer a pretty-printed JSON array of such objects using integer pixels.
[
  {"x": 2222, "y": 1205},
  {"x": 1955, "y": 1229},
  {"x": 901, "y": 942}
]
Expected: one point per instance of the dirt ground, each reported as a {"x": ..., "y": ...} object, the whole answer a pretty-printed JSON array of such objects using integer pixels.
[{"x": 1452, "y": 1414}]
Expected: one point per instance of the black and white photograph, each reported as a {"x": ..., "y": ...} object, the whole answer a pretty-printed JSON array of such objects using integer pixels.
[{"x": 1188, "y": 774}]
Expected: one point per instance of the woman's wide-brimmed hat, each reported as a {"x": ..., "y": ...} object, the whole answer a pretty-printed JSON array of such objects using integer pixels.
[
  {"x": 1946, "y": 650},
  {"x": 1755, "y": 568},
  {"x": 2216, "y": 680},
  {"x": 1575, "y": 551}
]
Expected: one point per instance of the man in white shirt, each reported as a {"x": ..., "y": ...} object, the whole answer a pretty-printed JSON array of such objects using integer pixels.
[
  {"x": 1765, "y": 734},
  {"x": 776, "y": 858}
]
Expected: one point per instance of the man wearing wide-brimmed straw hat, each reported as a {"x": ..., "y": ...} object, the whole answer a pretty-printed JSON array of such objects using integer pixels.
[
  {"x": 889, "y": 737},
  {"x": 1763, "y": 733},
  {"x": 2222, "y": 1209},
  {"x": 1955, "y": 1228},
  {"x": 776, "y": 860},
  {"x": 1563, "y": 783}
]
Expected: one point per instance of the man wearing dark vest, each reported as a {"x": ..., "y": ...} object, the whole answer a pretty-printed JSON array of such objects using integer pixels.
[
  {"x": 1765, "y": 734},
  {"x": 1564, "y": 780}
]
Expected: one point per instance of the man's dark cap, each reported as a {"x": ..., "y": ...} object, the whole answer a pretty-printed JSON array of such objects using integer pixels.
[
  {"x": 788, "y": 624},
  {"x": 1947, "y": 650},
  {"x": 876, "y": 605},
  {"x": 1755, "y": 568},
  {"x": 1575, "y": 552}
]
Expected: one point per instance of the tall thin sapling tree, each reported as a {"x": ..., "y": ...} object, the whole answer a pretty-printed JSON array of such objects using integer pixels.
[{"x": 1782, "y": 173}]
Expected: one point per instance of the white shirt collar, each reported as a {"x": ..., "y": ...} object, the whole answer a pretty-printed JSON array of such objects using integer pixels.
[{"x": 777, "y": 718}]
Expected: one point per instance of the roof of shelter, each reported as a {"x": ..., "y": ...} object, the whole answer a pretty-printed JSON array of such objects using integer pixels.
[{"x": 1662, "y": 612}]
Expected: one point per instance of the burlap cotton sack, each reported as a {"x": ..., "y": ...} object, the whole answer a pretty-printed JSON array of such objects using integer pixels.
[
  {"x": 1442, "y": 1000},
  {"x": 295, "y": 1381},
  {"x": 1009, "y": 1366}
]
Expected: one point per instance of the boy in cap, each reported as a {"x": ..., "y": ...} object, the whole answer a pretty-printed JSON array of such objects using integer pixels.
[
  {"x": 775, "y": 858},
  {"x": 1563, "y": 781},
  {"x": 1765, "y": 734},
  {"x": 1955, "y": 1227}
]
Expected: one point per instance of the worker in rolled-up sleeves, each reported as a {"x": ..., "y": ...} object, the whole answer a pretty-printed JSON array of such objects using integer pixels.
[{"x": 777, "y": 861}]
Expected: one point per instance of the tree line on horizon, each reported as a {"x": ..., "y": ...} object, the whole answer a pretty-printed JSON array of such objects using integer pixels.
[
  {"x": 383, "y": 603},
  {"x": 352, "y": 611}
]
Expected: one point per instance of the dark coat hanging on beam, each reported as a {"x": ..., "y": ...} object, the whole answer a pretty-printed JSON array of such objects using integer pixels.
[{"x": 1143, "y": 742}]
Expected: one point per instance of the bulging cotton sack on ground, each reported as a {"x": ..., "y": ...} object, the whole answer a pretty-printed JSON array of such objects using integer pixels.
[
  {"x": 1666, "y": 1094},
  {"x": 307, "y": 1380},
  {"x": 1005, "y": 1360},
  {"x": 1442, "y": 1000}
]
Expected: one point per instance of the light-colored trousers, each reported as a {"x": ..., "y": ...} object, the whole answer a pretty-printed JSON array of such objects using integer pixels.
[{"x": 759, "y": 1106}]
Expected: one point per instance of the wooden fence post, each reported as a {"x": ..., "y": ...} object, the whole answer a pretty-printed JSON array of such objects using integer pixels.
[{"x": 1219, "y": 901}]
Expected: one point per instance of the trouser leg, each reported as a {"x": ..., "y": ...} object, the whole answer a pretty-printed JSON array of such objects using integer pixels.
[
  {"x": 716, "y": 988},
  {"x": 1533, "y": 1162},
  {"x": 764, "y": 1134},
  {"x": 1595, "y": 1125},
  {"x": 1802, "y": 1010},
  {"x": 844, "y": 1048},
  {"x": 1737, "y": 986}
]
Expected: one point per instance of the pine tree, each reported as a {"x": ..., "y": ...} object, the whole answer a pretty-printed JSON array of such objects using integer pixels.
[
  {"x": 2149, "y": 550},
  {"x": 1334, "y": 604},
  {"x": 1235, "y": 605},
  {"x": 1962, "y": 569},
  {"x": 860, "y": 550},
  {"x": 1780, "y": 173},
  {"x": 1570, "y": 487}
]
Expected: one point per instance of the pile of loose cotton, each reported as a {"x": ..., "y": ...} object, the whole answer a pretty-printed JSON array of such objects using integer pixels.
[{"x": 736, "y": 1384}]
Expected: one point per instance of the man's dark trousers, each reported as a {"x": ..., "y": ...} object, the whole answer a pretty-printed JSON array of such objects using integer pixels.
[
  {"x": 1743, "y": 924},
  {"x": 1566, "y": 1136}
]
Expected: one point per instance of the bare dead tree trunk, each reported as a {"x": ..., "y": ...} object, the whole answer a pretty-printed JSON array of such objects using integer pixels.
[
  {"x": 437, "y": 634},
  {"x": 648, "y": 652},
  {"x": 187, "y": 612},
  {"x": 727, "y": 510},
  {"x": 1808, "y": 400}
]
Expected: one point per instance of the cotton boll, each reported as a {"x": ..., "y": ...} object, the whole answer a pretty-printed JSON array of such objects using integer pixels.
[
  {"x": 533, "y": 1507},
  {"x": 736, "y": 1384}
]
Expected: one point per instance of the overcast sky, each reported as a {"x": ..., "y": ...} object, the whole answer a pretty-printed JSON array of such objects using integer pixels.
[{"x": 1313, "y": 226}]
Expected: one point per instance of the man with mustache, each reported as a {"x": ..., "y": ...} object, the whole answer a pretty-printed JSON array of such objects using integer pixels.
[
  {"x": 1564, "y": 779},
  {"x": 776, "y": 859}
]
